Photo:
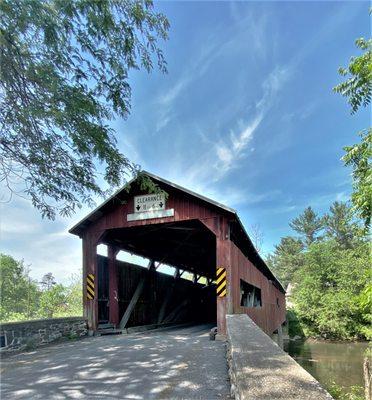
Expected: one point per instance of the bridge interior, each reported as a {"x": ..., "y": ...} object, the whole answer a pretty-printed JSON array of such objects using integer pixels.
[{"x": 146, "y": 296}]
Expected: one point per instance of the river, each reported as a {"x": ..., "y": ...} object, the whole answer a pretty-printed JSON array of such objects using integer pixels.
[{"x": 330, "y": 362}]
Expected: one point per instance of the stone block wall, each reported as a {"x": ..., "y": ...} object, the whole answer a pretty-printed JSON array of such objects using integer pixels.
[{"x": 27, "y": 335}]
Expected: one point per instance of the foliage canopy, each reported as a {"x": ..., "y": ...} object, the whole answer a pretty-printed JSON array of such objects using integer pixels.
[
  {"x": 330, "y": 276},
  {"x": 358, "y": 86},
  {"x": 23, "y": 298},
  {"x": 358, "y": 89},
  {"x": 64, "y": 73}
]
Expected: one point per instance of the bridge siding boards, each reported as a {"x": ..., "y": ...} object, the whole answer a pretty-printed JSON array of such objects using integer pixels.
[
  {"x": 269, "y": 316},
  {"x": 228, "y": 255}
]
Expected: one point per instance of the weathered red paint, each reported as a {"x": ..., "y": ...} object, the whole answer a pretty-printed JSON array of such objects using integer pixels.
[
  {"x": 269, "y": 317},
  {"x": 113, "y": 284},
  {"x": 186, "y": 207}
]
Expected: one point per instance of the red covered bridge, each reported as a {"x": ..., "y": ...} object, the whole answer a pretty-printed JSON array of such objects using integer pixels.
[{"x": 189, "y": 232}]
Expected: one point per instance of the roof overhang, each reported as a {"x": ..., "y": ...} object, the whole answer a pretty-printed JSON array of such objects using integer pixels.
[{"x": 123, "y": 195}]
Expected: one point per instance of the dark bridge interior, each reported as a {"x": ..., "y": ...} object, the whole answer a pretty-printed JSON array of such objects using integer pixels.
[{"x": 187, "y": 246}]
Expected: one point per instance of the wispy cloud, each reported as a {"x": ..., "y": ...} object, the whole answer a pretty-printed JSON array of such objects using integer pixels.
[
  {"x": 229, "y": 151},
  {"x": 165, "y": 102},
  {"x": 218, "y": 47}
]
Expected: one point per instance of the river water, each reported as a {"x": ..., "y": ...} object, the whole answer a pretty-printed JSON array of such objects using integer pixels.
[{"x": 330, "y": 362}]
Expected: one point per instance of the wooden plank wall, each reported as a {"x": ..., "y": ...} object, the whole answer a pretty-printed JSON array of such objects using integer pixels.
[
  {"x": 186, "y": 207},
  {"x": 268, "y": 317},
  {"x": 201, "y": 305}
]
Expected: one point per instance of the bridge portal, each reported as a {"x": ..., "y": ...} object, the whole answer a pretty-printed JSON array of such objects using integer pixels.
[{"x": 199, "y": 237}]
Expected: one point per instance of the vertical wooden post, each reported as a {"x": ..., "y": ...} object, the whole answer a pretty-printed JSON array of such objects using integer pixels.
[
  {"x": 224, "y": 304},
  {"x": 112, "y": 251},
  {"x": 90, "y": 242},
  {"x": 90, "y": 267},
  {"x": 367, "y": 378}
]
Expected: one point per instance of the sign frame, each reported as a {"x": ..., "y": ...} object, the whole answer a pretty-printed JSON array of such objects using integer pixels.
[{"x": 149, "y": 203}]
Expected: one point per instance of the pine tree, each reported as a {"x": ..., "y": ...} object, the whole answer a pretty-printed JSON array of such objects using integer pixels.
[{"x": 308, "y": 225}]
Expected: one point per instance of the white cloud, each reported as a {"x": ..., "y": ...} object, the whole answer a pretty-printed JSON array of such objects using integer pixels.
[
  {"x": 231, "y": 150},
  {"x": 44, "y": 245},
  {"x": 218, "y": 47}
]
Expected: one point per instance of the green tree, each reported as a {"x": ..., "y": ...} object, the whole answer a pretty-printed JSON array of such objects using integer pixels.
[
  {"x": 328, "y": 287},
  {"x": 53, "y": 301},
  {"x": 308, "y": 225},
  {"x": 357, "y": 89},
  {"x": 74, "y": 297},
  {"x": 286, "y": 259},
  {"x": 19, "y": 294},
  {"x": 48, "y": 281},
  {"x": 339, "y": 224},
  {"x": 64, "y": 72},
  {"x": 358, "y": 86},
  {"x": 359, "y": 158}
]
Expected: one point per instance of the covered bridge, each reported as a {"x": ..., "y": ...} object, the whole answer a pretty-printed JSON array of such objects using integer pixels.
[{"x": 189, "y": 232}]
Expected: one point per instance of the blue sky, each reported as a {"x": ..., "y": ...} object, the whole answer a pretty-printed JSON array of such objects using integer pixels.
[{"x": 246, "y": 115}]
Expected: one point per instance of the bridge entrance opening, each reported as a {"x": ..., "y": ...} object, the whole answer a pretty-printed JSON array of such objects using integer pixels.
[{"x": 131, "y": 295}]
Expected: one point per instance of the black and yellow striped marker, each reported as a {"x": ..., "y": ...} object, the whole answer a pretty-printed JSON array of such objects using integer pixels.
[
  {"x": 221, "y": 282},
  {"x": 90, "y": 286}
]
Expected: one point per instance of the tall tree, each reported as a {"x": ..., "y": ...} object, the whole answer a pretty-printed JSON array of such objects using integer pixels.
[
  {"x": 64, "y": 73},
  {"x": 255, "y": 233},
  {"x": 308, "y": 225},
  {"x": 74, "y": 296},
  {"x": 358, "y": 90},
  {"x": 359, "y": 157},
  {"x": 339, "y": 224},
  {"x": 48, "y": 281},
  {"x": 53, "y": 301},
  {"x": 327, "y": 291},
  {"x": 19, "y": 293},
  {"x": 286, "y": 259}
]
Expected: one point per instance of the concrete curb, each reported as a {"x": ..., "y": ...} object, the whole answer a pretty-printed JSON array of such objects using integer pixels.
[{"x": 260, "y": 370}]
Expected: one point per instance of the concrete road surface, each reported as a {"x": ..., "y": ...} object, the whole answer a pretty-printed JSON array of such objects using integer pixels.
[{"x": 179, "y": 363}]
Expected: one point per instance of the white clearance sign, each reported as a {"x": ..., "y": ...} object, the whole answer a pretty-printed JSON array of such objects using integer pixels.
[{"x": 149, "y": 202}]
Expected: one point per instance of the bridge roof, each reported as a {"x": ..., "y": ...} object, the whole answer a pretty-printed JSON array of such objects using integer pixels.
[{"x": 241, "y": 235}]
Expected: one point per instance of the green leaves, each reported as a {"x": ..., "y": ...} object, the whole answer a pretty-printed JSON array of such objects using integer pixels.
[
  {"x": 358, "y": 90},
  {"x": 23, "y": 299},
  {"x": 359, "y": 158},
  {"x": 327, "y": 290},
  {"x": 308, "y": 224},
  {"x": 329, "y": 273},
  {"x": 64, "y": 68},
  {"x": 287, "y": 259},
  {"x": 358, "y": 87}
]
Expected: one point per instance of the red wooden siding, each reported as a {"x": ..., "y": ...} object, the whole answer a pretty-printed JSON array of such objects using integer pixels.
[
  {"x": 228, "y": 255},
  {"x": 269, "y": 317}
]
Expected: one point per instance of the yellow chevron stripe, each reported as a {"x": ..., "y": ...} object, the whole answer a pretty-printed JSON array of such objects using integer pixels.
[
  {"x": 219, "y": 270},
  {"x": 90, "y": 290},
  {"x": 91, "y": 276},
  {"x": 221, "y": 278},
  {"x": 89, "y": 283},
  {"x": 221, "y": 286},
  {"x": 223, "y": 294}
]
